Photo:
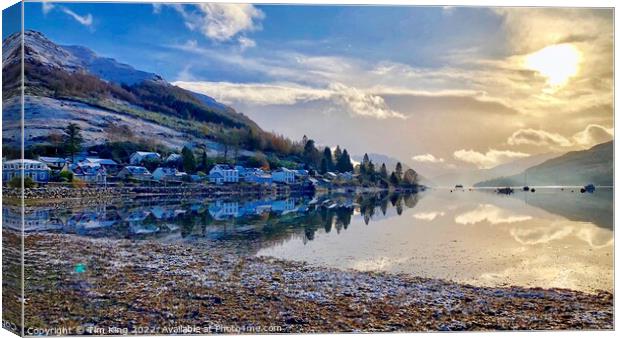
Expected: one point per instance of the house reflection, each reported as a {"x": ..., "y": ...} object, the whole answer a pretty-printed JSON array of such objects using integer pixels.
[{"x": 222, "y": 219}]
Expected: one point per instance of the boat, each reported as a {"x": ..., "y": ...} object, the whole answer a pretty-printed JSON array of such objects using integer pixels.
[
  {"x": 506, "y": 190},
  {"x": 588, "y": 188},
  {"x": 458, "y": 186}
]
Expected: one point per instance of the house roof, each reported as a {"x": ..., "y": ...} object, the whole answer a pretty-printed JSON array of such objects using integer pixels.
[
  {"x": 52, "y": 159},
  {"x": 173, "y": 157},
  {"x": 137, "y": 170},
  {"x": 216, "y": 175},
  {"x": 145, "y": 153},
  {"x": 104, "y": 161}
]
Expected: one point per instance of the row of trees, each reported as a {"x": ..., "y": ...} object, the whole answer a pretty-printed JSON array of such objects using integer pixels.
[
  {"x": 312, "y": 158},
  {"x": 368, "y": 172}
]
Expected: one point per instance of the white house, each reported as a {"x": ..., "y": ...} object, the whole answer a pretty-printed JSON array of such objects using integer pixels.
[
  {"x": 89, "y": 172},
  {"x": 228, "y": 173},
  {"x": 38, "y": 171},
  {"x": 110, "y": 165},
  {"x": 283, "y": 175},
  {"x": 140, "y": 156},
  {"x": 168, "y": 174}
]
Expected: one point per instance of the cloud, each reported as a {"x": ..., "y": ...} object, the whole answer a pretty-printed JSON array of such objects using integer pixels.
[
  {"x": 491, "y": 214},
  {"x": 245, "y": 42},
  {"x": 429, "y": 158},
  {"x": 46, "y": 7},
  {"x": 220, "y": 22},
  {"x": 362, "y": 103},
  {"x": 428, "y": 216},
  {"x": 538, "y": 137},
  {"x": 354, "y": 101},
  {"x": 86, "y": 20},
  {"x": 593, "y": 134},
  {"x": 489, "y": 159}
]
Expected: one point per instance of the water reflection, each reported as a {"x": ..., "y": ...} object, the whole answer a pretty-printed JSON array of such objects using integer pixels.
[{"x": 553, "y": 238}]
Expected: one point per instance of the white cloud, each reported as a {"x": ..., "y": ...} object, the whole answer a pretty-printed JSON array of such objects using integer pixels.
[
  {"x": 362, "y": 103},
  {"x": 46, "y": 7},
  {"x": 86, "y": 20},
  {"x": 220, "y": 22},
  {"x": 428, "y": 216},
  {"x": 593, "y": 134},
  {"x": 245, "y": 42},
  {"x": 489, "y": 159},
  {"x": 430, "y": 158},
  {"x": 491, "y": 214},
  {"x": 354, "y": 101},
  {"x": 538, "y": 137}
]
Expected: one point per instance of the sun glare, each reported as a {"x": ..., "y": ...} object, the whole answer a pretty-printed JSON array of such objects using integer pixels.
[{"x": 557, "y": 63}]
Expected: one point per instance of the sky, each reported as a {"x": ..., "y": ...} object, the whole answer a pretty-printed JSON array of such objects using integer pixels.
[{"x": 440, "y": 88}]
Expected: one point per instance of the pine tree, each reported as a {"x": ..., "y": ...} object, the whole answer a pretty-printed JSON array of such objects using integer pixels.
[
  {"x": 393, "y": 179},
  {"x": 337, "y": 154},
  {"x": 399, "y": 171},
  {"x": 324, "y": 166},
  {"x": 329, "y": 161},
  {"x": 73, "y": 140},
  {"x": 189, "y": 162},
  {"x": 344, "y": 162},
  {"x": 383, "y": 172}
]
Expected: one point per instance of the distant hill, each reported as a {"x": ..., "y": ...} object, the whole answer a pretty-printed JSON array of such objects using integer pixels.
[
  {"x": 594, "y": 165},
  {"x": 471, "y": 177}
]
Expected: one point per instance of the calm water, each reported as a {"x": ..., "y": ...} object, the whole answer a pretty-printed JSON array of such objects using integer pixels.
[{"x": 551, "y": 238}]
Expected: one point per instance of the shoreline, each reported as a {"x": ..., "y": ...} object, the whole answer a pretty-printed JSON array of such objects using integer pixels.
[{"x": 146, "y": 283}]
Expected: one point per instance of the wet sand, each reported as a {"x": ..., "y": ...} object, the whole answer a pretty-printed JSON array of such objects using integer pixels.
[{"x": 107, "y": 286}]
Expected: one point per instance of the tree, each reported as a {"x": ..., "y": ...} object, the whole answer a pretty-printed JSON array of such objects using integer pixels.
[
  {"x": 189, "y": 162},
  {"x": 393, "y": 179},
  {"x": 410, "y": 177},
  {"x": 327, "y": 157},
  {"x": 399, "y": 171},
  {"x": 204, "y": 163},
  {"x": 344, "y": 162},
  {"x": 73, "y": 139},
  {"x": 311, "y": 155},
  {"x": 383, "y": 172},
  {"x": 337, "y": 154},
  {"x": 324, "y": 166}
]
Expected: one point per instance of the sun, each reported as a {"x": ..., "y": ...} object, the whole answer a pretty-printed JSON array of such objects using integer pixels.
[{"x": 557, "y": 63}]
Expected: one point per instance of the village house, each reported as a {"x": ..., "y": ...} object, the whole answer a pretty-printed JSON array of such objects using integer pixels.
[
  {"x": 283, "y": 175},
  {"x": 111, "y": 166},
  {"x": 89, "y": 172},
  {"x": 54, "y": 163},
  {"x": 38, "y": 171},
  {"x": 173, "y": 158},
  {"x": 168, "y": 174},
  {"x": 136, "y": 172},
  {"x": 223, "y": 173},
  {"x": 258, "y": 176},
  {"x": 140, "y": 156}
]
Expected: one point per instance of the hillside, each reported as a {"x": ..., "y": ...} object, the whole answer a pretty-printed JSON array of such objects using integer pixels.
[
  {"x": 471, "y": 177},
  {"x": 594, "y": 165},
  {"x": 112, "y": 101}
]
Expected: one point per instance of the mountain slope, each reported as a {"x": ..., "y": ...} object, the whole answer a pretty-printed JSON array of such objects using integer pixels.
[
  {"x": 470, "y": 177},
  {"x": 594, "y": 165},
  {"x": 78, "y": 73}
]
